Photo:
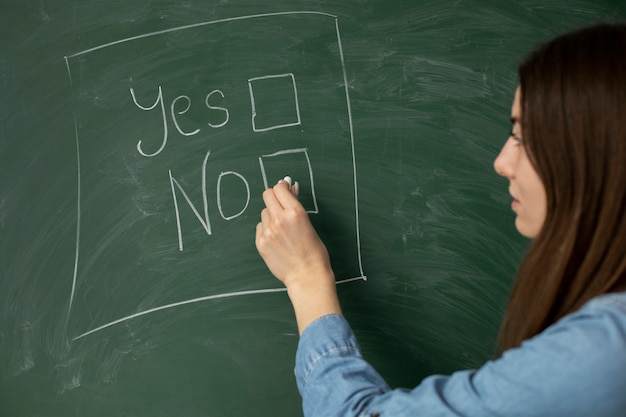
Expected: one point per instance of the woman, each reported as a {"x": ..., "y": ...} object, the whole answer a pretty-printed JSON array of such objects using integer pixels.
[{"x": 563, "y": 339}]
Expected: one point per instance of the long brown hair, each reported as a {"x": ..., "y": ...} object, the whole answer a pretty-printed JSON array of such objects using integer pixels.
[{"x": 574, "y": 125}]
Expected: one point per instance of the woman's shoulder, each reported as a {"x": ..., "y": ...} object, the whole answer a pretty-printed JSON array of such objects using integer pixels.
[
  {"x": 593, "y": 337},
  {"x": 601, "y": 313},
  {"x": 578, "y": 363},
  {"x": 598, "y": 326},
  {"x": 611, "y": 304}
]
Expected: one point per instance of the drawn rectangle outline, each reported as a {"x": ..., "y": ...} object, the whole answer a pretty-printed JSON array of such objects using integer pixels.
[
  {"x": 253, "y": 104},
  {"x": 67, "y": 58},
  {"x": 308, "y": 161}
]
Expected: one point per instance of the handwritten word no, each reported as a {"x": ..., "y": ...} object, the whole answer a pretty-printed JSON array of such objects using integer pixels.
[{"x": 204, "y": 219}]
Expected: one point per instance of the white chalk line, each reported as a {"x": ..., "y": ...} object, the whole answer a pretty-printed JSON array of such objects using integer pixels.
[
  {"x": 195, "y": 25},
  {"x": 196, "y": 300},
  {"x": 206, "y": 222},
  {"x": 356, "y": 197},
  {"x": 69, "y": 308}
]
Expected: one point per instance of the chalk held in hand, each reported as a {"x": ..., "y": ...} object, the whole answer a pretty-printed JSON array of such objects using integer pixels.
[{"x": 295, "y": 188}]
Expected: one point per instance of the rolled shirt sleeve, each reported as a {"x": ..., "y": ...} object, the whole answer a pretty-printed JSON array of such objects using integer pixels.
[{"x": 577, "y": 367}]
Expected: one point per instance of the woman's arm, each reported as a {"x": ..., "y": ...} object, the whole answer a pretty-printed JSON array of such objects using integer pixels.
[
  {"x": 574, "y": 368},
  {"x": 294, "y": 253}
]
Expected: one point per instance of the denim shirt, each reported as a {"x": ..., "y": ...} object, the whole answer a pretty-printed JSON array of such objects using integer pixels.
[{"x": 576, "y": 367}]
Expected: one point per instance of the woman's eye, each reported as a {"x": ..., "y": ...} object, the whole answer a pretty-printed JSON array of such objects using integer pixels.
[{"x": 516, "y": 137}]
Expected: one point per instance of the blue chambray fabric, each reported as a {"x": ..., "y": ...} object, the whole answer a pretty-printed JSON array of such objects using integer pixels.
[{"x": 575, "y": 368}]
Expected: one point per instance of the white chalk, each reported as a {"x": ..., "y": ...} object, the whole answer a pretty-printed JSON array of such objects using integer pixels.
[{"x": 294, "y": 188}]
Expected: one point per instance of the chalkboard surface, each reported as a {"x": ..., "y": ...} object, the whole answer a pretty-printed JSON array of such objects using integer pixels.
[{"x": 136, "y": 138}]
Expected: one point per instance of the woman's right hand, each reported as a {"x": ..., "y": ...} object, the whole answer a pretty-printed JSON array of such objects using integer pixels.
[{"x": 294, "y": 253}]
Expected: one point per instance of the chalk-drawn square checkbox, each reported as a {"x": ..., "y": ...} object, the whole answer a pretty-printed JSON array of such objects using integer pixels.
[
  {"x": 296, "y": 164},
  {"x": 274, "y": 100}
]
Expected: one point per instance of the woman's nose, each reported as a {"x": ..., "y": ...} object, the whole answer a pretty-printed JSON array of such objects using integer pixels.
[{"x": 503, "y": 164}]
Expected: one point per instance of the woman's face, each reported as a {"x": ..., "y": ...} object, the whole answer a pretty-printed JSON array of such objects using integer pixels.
[{"x": 527, "y": 190}]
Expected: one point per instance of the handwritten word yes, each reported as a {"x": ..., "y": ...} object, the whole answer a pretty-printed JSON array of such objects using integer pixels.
[{"x": 186, "y": 105}]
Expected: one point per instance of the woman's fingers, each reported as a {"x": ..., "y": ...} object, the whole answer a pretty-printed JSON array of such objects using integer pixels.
[
  {"x": 285, "y": 195},
  {"x": 270, "y": 200}
]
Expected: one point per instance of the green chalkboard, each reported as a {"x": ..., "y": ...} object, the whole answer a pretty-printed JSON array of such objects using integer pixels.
[{"x": 136, "y": 138}]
